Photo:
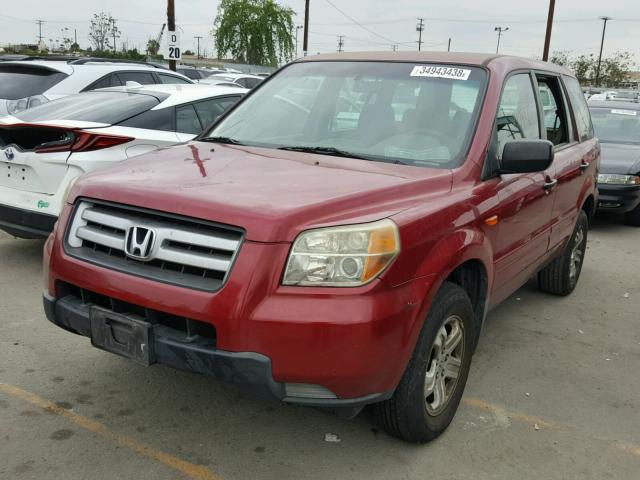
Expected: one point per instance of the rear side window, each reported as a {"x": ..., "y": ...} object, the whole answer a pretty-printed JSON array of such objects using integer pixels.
[
  {"x": 580, "y": 108},
  {"x": 210, "y": 110},
  {"x": 170, "y": 79},
  {"x": 105, "y": 82},
  {"x": 99, "y": 107},
  {"x": 20, "y": 82},
  {"x": 143, "y": 78},
  {"x": 518, "y": 113},
  {"x": 249, "y": 82},
  {"x": 187, "y": 120},
  {"x": 153, "y": 120}
]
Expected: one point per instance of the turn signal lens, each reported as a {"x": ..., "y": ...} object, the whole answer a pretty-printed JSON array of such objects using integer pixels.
[{"x": 347, "y": 256}]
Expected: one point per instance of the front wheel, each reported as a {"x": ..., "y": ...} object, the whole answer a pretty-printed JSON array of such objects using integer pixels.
[
  {"x": 561, "y": 276},
  {"x": 429, "y": 393}
]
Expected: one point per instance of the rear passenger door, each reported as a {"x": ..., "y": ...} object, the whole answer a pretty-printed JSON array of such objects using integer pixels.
[
  {"x": 526, "y": 200},
  {"x": 559, "y": 130}
]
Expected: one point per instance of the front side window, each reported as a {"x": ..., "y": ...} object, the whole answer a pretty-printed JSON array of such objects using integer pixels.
[
  {"x": 553, "y": 108},
  {"x": 419, "y": 115},
  {"x": 518, "y": 112},
  {"x": 580, "y": 108},
  {"x": 170, "y": 79}
]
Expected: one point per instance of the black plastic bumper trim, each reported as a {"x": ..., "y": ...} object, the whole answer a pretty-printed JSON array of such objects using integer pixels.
[
  {"x": 248, "y": 370},
  {"x": 25, "y": 223}
]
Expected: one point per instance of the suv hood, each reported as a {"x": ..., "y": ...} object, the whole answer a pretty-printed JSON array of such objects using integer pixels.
[
  {"x": 620, "y": 158},
  {"x": 272, "y": 194}
]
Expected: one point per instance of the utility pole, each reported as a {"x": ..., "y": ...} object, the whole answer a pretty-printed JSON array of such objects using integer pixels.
[
  {"x": 198, "y": 38},
  {"x": 40, "y": 37},
  {"x": 604, "y": 30},
  {"x": 420, "y": 29},
  {"x": 305, "y": 42},
  {"x": 449, "y": 46},
  {"x": 340, "y": 43},
  {"x": 394, "y": 48},
  {"x": 500, "y": 31},
  {"x": 547, "y": 38},
  {"x": 298, "y": 28},
  {"x": 171, "y": 24},
  {"x": 75, "y": 36}
]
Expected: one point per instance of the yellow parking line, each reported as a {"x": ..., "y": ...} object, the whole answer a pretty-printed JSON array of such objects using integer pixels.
[
  {"x": 196, "y": 472},
  {"x": 521, "y": 417},
  {"x": 531, "y": 420}
]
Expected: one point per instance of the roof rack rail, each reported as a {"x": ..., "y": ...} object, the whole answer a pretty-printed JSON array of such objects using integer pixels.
[
  {"x": 50, "y": 58},
  {"x": 85, "y": 60}
]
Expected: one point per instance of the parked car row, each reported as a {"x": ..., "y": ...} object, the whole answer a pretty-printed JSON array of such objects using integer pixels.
[{"x": 335, "y": 239}]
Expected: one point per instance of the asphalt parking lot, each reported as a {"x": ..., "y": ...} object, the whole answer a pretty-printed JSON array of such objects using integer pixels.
[{"x": 554, "y": 393}]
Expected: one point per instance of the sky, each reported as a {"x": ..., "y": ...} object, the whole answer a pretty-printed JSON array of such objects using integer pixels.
[{"x": 469, "y": 23}]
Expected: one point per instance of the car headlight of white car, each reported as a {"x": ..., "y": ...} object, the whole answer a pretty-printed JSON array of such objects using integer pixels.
[
  {"x": 16, "y": 106},
  {"x": 347, "y": 256},
  {"x": 615, "y": 179}
]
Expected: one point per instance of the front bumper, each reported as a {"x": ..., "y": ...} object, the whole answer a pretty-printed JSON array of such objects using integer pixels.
[
  {"x": 618, "y": 198},
  {"x": 248, "y": 370},
  {"x": 26, "y": 223}
]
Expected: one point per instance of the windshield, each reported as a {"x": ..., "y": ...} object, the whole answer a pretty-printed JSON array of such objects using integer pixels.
[
  {"x": 421, "y": 115},
  {"x": 20, "y": 82},
  {"x": 99, "y": 107},
  {"x": 616, "y": 125}
]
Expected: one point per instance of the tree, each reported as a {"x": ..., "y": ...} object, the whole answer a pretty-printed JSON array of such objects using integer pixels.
[
  {"x": 613, "y": 69},
  {"x": 254, "y": 31},
  {"x": 103, "y": 27},
  {"x": 153, "y": 46},
  {"x": 188, "y": 53}
]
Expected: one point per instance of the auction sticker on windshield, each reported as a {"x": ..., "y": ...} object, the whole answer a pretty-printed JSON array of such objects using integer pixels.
[
  {"x": 441, "y": 72},
  {"x": 633, "y": 113}
]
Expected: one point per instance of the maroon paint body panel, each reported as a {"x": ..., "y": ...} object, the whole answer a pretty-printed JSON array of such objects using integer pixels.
[{"x": 352, "y": 341}]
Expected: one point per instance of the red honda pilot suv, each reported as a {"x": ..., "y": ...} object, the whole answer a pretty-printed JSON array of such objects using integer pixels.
[{"x": 338, "y": 237}]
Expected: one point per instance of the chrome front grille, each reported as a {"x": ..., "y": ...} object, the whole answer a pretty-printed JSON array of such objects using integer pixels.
[{"x": 184, "y": 251}]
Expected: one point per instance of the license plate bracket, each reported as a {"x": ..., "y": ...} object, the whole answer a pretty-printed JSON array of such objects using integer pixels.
[{"x": 123, "y": 335}]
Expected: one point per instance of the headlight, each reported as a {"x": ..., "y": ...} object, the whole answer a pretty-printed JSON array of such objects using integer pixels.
[
  {"x": 16, "y": 106},
  {"x": 614, "y": 179},
  {"x": 347, "y": 256}
]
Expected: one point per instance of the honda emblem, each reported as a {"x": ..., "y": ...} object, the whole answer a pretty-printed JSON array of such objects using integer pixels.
[{"x": 139, "y": 243}]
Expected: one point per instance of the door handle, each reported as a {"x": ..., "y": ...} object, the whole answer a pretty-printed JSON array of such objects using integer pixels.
[
  {"x": 550, "y": 185},
  {"x": 584, "y": 165}
]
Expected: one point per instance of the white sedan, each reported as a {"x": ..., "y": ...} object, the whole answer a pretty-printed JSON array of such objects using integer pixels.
[{"x": 44, "y": 149}]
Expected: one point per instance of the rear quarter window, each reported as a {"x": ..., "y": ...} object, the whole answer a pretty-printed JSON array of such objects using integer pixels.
[{"x": 20, "y": 82}]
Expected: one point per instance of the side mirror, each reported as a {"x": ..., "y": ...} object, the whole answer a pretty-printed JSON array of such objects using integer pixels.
[{"x": 526, "y": 156}]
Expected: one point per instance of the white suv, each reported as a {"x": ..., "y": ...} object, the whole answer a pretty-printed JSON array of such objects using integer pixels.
[
  {"x": 28, "y": 83},
  {"x": 43, "y": 150}
]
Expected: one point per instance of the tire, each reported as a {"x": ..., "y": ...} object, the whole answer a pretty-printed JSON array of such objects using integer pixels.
[
  {"x": 633, "y": 217},
  {"x": 413, "y": 413},
  {"x": 561, "y": 276}
]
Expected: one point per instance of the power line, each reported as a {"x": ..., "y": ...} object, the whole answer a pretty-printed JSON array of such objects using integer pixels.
[{"x": 388, "y": 40}]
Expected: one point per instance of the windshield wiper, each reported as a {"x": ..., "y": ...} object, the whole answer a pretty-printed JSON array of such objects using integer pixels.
[
  {"x": 229, "y": 140},
  {"x": 336, "y": 152}
]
